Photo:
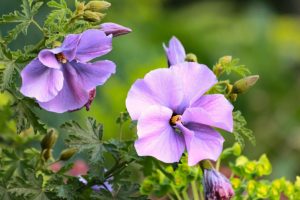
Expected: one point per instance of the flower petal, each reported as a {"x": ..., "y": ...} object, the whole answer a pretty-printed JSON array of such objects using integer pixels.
[
  {"x": 94, "y": 74},
  {"x": 195, "y": 79},
  {"x": 159, "y": 87},
  {"x": 175, "y": 51},
  {"x": 41, "y": 82},
  {"x": 73, "y": 96},
  {"x": 156, "y": 136},
  {"x": 93, "y": 43},
  {"x": 202, "y": 142},
  {"x": 114, "y": 29},
  {"x": 69, "y": 46},
  {"x": 213, "y": 110},
  {"x": 47, "y": 57}
]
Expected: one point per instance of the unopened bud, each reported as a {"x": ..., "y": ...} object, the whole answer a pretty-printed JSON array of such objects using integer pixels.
[
  {"x": 237, "y": 149},
  {"x": 80, "y": 8},
  {"x": 244, "y": 84},
  {"x": 49, "y": 140},
  {"x": 93, "y": 16},
  {"x": 114, "y": 29},
  {"x": 190, "y": 57},
  {"x": 47, "y": 153},
  {"x": 96, "y": 6},
  {"x": 67, "y": 154},
  {"x": 56, "y": 44},
  {"x": 225, "y": 60}
]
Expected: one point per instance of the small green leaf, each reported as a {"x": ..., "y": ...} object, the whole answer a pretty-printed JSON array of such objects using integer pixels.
[{"x": 87, "y": 139}]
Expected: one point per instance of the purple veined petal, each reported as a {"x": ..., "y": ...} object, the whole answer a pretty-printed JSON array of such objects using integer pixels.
[
  {"x": 93, "y": 43},
  {"x": 156, "y": 136},
  {"x": 213, "y": 110},
  {"x": 202, "y": 142},
  {"x": 114, "y": 29},
  {"x": 195, "y": 79},
  {"x": 175, "y": 51},
  {"x": 73, "y": 96},
  {"x": 48, "y": 58},
  {"x": 41, "y": 82},
  {"x": 93, "y": 74},
  {"x": 69, "y": 46},
  {"x": 159, "y": 87}
]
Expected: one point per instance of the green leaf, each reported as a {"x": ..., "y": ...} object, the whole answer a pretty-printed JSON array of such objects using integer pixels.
[
  {"x": 6, "y": 76},
  {"x": 240, "y": 131},
  {"x": 13, "y": 34},
  {"x": 26, "y": 117},
  {"x": 31, "y": 187},
  {"x": 87, "y": 139},
  {"x": 12, "y": 17}
]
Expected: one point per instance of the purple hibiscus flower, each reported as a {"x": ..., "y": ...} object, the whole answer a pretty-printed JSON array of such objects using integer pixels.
[
  {"x": 62, "y": 79},
  {"x": 174, "y": 113}
]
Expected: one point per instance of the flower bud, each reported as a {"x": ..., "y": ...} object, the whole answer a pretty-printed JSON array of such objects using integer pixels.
[
  {"x": 250, "y": 167},
  {"x": 251, "y": 186},
  {"x": 93, "y": 16},
  {"x": 225, "y": 60},
  {"x": 47, "y": 153},
  {"x": 114, "y": 29},
  {"x": 67, "y": 154},
  {"x": 216, "y": 185},
  {"x": 236, "y": 183},
  {"x": 262, "y": 190},
  {"x": 264, "y": 166},
  {"x": 236, "y": 149},
  {"x": 241, "y": 161},
  {"x": 244, "y": 84},
  {"x": 49, "y": 140},
  {"x": 96, "y": 6},
  {"x": 190, "y": 57},
  {"x": 297, "y": 182},
  {"x": 79, "y": 8}
]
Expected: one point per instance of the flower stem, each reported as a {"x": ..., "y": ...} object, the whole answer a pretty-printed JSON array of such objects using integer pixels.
[
  {"x": 218, "y": 164},
  {"x": 176, "y": 192},
  {"x": 195, "y": 191},
  {"x": 185, "y": 195}
]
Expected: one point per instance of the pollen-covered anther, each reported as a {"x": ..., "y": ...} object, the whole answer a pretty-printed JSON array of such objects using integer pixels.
[
  {"x": 61, "y": 58},
  {"x": 175, "y": 119}
]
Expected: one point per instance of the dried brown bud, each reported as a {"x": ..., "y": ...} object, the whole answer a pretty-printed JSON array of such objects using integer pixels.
[
  {"x": 67, "y": 154},
  {"x": 49, "y": 139},
  {"x": 244, "y": 84},
  {"x": 97, "y": 6}
]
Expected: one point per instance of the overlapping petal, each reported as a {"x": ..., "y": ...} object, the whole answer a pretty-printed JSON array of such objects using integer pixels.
[
  {"x": 156, "y": 137},
  {"x": 94, "y": 74},
  {"x": 195, "y": 79},
  {"x": 93, "y": 43},
  {"x": 69, "y": 46},
  {"x": 47, "y": 58},
  {"x": 41, "y": 82},
  {"x": 159, "y": 87},
  {"x": 213, "y": 110},
  {"x": 202, "y": 142},
  {"x": 175, "y": 51},
  {"x": 72, "y": 96}
]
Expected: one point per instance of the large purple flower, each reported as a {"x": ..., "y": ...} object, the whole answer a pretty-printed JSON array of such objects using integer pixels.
[
  {"x": 62, "y": 79},
  {"x": 175, "y": 114}
]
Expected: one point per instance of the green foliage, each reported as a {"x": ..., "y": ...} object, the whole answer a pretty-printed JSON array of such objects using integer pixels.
[
  {"x": 25, "y": 117},
  {"x": 23, "y": 18},
  {"x": 240, "y": 131},
  {"x": 86, "y": 140}
]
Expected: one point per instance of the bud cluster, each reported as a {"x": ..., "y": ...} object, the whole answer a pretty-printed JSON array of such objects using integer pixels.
[{"x": 92, "y": 11}]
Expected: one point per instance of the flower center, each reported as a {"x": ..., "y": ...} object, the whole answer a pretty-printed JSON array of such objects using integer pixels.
[
  {"x": 175, "y": 119},
  {"x": 61, "y": 58}
]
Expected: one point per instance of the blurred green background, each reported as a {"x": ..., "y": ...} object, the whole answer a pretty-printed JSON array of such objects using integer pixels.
[{"x": 265, "y": 35}]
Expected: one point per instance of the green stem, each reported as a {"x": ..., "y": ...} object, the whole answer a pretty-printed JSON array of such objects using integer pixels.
[
  {"x": 185, "y": 195},
  {"x": 218, "y": 164},
  {"x": 195, "y": 191},
  {"x": 201, "y": 195},
  {"x": 170, "y": 197},
  {"x": 37, "y": 25},
  {"x": 176, "y": 192}
]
